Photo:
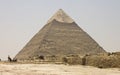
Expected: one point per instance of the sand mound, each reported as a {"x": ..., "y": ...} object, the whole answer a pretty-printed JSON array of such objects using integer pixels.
[{"x": 53, "y": 69}]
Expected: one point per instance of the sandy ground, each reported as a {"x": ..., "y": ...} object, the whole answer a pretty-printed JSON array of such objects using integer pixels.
[{"x": 53, "y": 69}]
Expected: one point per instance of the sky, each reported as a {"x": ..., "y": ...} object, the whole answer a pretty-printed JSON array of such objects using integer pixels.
[{"x": 20, "y": 20}]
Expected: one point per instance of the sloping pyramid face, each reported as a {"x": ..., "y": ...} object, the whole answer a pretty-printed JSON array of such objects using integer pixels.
[{"x": 60, "y": 36}]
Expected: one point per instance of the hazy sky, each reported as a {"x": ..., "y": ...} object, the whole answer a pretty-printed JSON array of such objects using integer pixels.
[{"x": 20, "y": 20}]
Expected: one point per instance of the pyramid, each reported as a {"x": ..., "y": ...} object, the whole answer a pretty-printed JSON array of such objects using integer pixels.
[{"x": 60, "y": 36}]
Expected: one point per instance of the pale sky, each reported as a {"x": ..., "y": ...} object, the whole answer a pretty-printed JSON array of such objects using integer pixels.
[{"x": 20, "y": 20}]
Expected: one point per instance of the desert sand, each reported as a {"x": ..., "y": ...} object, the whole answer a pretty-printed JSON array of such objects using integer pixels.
[{"x": 54, "y": 69}]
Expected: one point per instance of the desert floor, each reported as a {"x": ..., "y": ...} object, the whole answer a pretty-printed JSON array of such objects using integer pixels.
[{"x": 54, "y": 69}]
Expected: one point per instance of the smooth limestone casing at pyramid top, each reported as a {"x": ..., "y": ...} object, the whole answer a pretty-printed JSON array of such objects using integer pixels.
[{"x": 60, "y": 36}]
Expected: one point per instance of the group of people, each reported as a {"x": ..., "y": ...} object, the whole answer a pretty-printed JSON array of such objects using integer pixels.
[{"x": 11, "y": 60}]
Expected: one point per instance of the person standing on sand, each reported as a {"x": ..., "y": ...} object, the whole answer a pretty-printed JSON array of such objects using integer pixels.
[{"x": 9, "y": 59}]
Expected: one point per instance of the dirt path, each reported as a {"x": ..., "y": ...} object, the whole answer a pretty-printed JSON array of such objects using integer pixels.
[{"x": 53, "y": 69}]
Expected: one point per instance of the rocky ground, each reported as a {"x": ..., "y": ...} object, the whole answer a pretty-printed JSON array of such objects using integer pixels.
[{"x": 54, "y": 69}]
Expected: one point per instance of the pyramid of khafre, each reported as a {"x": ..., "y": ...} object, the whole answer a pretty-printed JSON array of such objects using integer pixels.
[{"x": 60, "y": 36}]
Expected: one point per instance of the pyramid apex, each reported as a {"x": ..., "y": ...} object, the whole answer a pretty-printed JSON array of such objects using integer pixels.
[
  {"x": 60, "y": 10},
  {"x": 61, "y": 16}
]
